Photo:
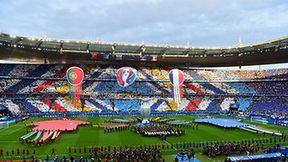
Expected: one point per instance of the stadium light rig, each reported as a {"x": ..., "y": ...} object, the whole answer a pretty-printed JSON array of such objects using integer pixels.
[{"x": 142, "y": 49}]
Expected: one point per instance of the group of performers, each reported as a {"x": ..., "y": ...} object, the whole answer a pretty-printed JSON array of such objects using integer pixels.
[{"x": 158, "y": 130}]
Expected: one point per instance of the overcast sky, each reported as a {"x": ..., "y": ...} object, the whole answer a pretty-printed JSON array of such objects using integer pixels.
[{"x": 178, "y": 22}]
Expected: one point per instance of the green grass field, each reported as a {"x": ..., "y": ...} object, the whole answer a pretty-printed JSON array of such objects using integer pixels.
[{"x": 91, "y": 136}]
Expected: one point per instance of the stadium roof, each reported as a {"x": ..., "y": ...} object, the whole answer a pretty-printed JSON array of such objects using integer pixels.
[{"x": 26, "y": 49}]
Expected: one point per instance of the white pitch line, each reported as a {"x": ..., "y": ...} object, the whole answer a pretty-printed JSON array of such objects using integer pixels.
[
  {"x": 14, "y": 130},
  {"x": 168, "y": 143}
]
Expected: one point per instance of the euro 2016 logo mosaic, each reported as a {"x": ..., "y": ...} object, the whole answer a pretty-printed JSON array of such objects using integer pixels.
[{"x": 126, "y": 76}]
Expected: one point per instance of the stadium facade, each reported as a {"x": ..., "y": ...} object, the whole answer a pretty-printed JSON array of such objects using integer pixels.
[{"x": 26, "y": 49}]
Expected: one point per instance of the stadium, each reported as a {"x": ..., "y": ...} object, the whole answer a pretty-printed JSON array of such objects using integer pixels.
[{"x": 75, "y": 100}]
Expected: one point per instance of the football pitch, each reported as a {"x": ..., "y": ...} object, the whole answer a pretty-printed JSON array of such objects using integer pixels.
[{"x": 89, "y": 136}]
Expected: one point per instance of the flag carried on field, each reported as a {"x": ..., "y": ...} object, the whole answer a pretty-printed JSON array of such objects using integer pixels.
[
  {"x": 176, "y": 77},
  {"x": 75, "y": 76},
  {"x": 126, "y": 76}
]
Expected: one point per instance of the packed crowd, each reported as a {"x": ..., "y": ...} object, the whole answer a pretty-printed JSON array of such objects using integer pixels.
[
  {"x": 141, "y": 88},
  {"x": 215, "y": 75},
  {"x": 276, "y": 106},
  {"x": 153, "y": 91}
]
